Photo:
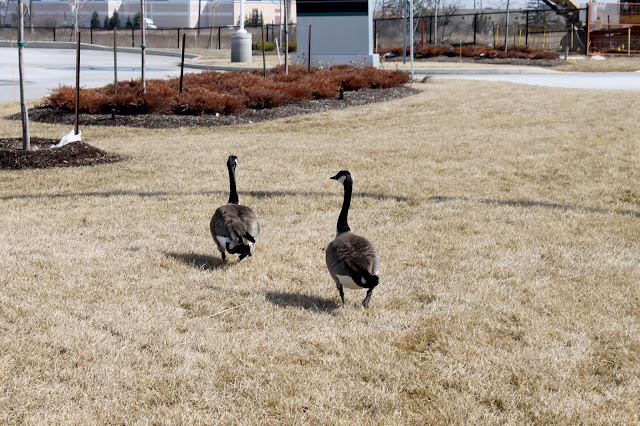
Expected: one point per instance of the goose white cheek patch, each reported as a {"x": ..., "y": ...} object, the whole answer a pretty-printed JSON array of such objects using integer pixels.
[{"x": 341, "y": 179}]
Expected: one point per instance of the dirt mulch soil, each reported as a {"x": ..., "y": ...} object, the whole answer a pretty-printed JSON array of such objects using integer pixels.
[
  {"x": 80, "y": 154},
  {"x": 13, "y": 157},
  {"x": 156, "y": 121}
]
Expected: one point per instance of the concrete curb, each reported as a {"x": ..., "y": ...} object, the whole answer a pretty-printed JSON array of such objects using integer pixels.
[
  {"x": 85, "y": 46},
  {"x": 416, "y": 71},
  {"x": 223, "y": 67},
  {"x": 483, "y": 71}
]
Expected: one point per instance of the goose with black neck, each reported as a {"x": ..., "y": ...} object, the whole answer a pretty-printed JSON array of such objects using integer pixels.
[
  {"x": 234, "y": 227},
  {"x": 352, "y": 260}
]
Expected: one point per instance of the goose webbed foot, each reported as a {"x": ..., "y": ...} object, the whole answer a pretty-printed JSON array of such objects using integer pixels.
[{"x": 367, "y": 299}]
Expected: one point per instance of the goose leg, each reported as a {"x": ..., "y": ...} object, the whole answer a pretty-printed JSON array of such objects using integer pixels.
[
  {"x": 220, "y": 249},
  {"x": 367, "y": 299},
  {"x": 341, "y": 292}
]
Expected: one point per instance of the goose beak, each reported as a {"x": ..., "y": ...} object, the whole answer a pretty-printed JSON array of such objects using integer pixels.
[{"x": 334, "y": 177}]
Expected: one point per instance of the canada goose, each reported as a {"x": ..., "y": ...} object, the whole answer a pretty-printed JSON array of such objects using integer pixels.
[
  {"x": 352, "y": 260},
  {"x": 234, "y": 227}
]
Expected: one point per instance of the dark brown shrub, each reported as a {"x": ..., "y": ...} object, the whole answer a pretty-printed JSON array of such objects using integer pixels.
[
  {"x": 212, "y": 92},
  {"x": 199, "y": 101},
  {"x": 475, "y": 51},
  {"x": 431, "y": 51},
  {"x": 64, "y": 97}
]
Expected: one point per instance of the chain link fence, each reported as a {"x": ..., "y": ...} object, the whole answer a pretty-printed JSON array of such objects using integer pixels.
[
  {"x": 161, "y": 38},
  {"x": 541, "y": 29}
]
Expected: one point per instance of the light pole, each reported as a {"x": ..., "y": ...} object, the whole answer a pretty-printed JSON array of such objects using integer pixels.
[
  {"x": 199, "y": 9},
  {"x": 241, "y": 41}
]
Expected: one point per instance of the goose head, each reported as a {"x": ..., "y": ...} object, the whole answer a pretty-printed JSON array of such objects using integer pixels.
[
  {"x": 342, "y": 177},
  {"x": 232, "y": 162}
]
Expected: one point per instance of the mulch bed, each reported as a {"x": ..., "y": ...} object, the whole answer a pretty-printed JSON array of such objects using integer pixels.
[
  {"x": 13, "y": 157},
  {"x": 157, "y": 121},
  {"x": 81, "y": 154}
]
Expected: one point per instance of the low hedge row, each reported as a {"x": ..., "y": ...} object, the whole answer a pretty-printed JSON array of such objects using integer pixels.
[{"x": 212, "y": 92}]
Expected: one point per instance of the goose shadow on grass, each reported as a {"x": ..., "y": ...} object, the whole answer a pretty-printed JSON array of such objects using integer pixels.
[
  {"x": 198, "y": 261},
  {"x": 533, "y": 204},
  {"x": 303, "y": 301}
]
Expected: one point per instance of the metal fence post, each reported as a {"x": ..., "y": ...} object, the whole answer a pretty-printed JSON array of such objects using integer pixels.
[
  {"x": 219, "y": 42},
  {"x": 526, "y": 31},
  {"x": 375, "y": 31},
  {"x": 475, "y": 27},
  {"x": 430, "y": 29},
  {"x": 178, "y": 38}
]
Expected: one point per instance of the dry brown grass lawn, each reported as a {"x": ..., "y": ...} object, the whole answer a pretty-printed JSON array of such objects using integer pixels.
[
  {"x": 609, "y": 64},
  {"x": 506, "y": 216}
]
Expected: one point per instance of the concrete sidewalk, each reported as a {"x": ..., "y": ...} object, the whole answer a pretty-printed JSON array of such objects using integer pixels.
[
  {"x": 50, "y": 64},
  {"x": 220, "y": 60}
]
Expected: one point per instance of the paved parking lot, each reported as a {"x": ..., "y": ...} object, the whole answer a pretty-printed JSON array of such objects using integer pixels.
[
  {"x": 572, "y": 80},
  {"x": 45, "y": 69}
]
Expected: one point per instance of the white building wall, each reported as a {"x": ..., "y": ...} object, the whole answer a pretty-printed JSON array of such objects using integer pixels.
[{"x": 165, "y": 14}]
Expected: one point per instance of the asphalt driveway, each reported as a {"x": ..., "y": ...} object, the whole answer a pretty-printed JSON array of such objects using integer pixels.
[{"x": 46, "y": 69}]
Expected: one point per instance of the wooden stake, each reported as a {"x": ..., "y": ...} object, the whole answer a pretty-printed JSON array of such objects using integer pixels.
[
  {"x": 115, "y": 63},
  {"x": 264, "y": 59},
  {"x": 142, "y": 45},
  {"x": 26, "y": 139},
  {"x": 184, "y": 39},
  {"x": 77, "y": 81},
  {"x": 309, "y": 62},
  {"x": 286, "y": 38}
]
